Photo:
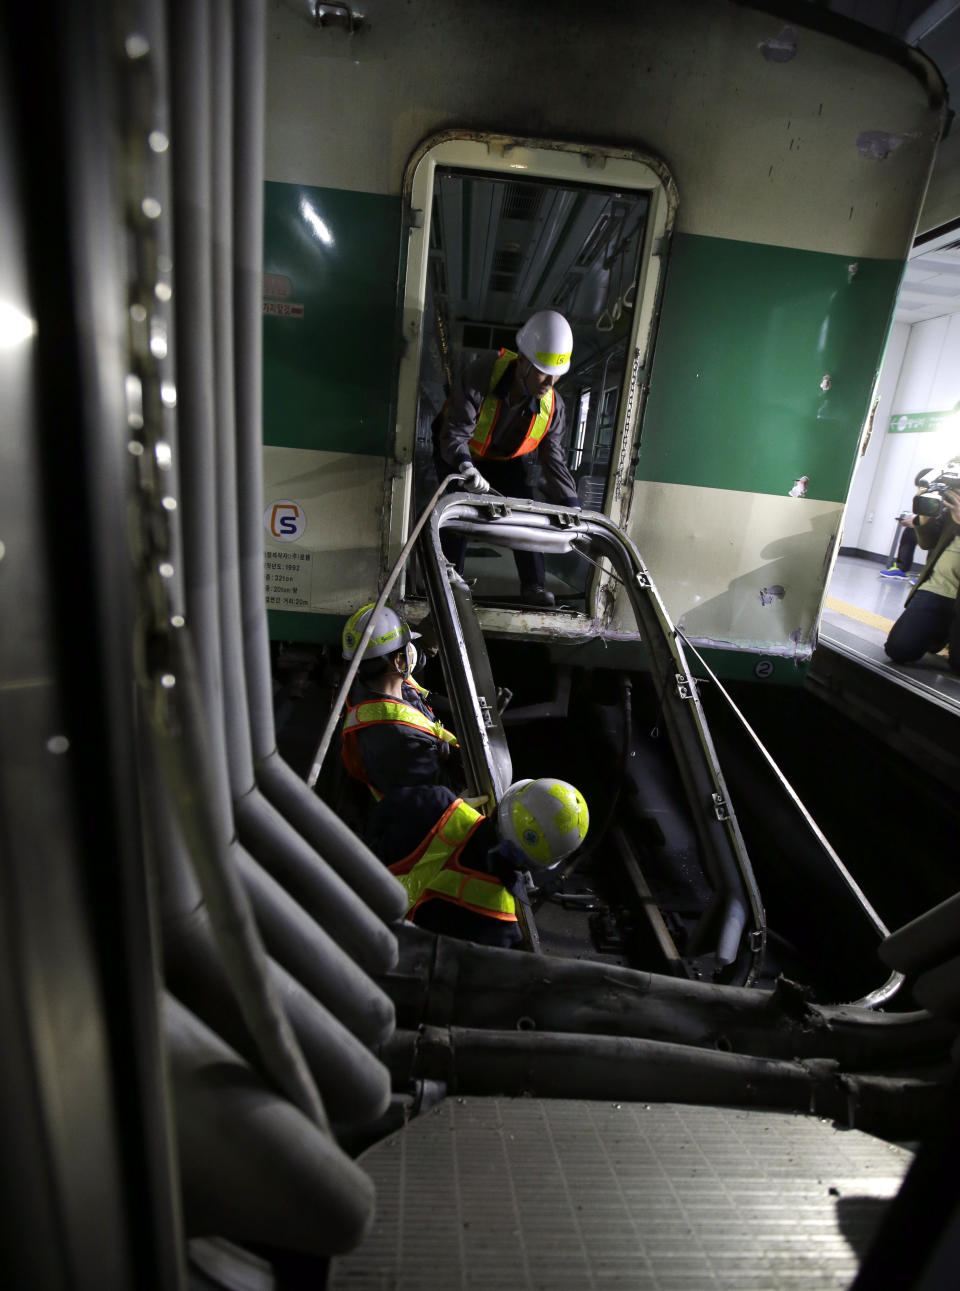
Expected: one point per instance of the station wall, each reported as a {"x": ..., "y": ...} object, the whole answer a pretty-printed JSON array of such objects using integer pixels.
[{"x": 920, "y": 375}]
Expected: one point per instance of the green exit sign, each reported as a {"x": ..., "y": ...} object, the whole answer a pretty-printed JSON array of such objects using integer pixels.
[{"x": 907, "y": 423}]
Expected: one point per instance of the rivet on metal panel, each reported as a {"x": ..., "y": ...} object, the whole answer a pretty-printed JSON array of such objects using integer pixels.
[{"x": 826, "y": 381}]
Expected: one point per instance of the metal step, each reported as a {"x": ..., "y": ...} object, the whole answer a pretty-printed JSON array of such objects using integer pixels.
[{"x": 541, "y": 1194}]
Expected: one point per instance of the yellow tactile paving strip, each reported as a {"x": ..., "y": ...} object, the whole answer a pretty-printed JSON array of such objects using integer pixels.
[{"x": 862, "y": 616}]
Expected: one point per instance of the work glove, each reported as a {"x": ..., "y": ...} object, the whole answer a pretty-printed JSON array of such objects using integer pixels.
[{"x": 473, "y": 480}]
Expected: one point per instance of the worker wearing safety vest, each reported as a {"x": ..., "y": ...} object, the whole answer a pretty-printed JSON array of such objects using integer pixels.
[
  {"x": 464, "y": 872},
  {"x": 503, "y": 424},
  {"x": 390, "y": 737}
]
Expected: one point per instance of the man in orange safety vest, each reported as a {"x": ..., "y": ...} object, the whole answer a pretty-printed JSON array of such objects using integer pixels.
[{"x": 505, "y": 423}]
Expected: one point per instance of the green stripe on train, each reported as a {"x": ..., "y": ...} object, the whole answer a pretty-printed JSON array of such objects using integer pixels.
[
  {"x": 295, "y": 625},
  {"x": 747, "y": 335},
  {"x": 330, "y": 307}
]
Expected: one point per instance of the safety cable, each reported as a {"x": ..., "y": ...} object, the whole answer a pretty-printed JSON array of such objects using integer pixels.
[
  {"x": 337, "y": 708},
  {"x": 811, "y": 823},
  {"x": 893, "y": 983},
  {"x": 609, "y": 573}
]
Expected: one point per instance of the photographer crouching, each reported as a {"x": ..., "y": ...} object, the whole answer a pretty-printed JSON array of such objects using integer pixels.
[{"x": 931, "y": 612}]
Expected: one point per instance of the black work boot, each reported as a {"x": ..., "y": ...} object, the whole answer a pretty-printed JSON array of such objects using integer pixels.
[{"x": 538, "y": 596}]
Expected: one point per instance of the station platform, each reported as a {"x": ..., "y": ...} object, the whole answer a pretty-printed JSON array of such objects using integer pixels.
[{"x": 860, "y": 609}]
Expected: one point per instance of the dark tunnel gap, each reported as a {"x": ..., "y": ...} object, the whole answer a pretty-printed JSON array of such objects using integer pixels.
[{"x": 840, "y": 776}]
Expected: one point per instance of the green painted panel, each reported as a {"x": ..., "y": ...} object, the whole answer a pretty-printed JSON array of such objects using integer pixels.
[
  {"x": 329, "y": 374},
  {"x": 747, "y": 335},
  {"x": 728, "y": 665},
  {"x": 747, "y": 665},
  {"x": 293, "y": 625}
]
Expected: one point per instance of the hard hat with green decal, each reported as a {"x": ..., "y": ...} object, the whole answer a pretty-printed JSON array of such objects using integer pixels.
[
  {"x": 546, "y": 819},
  {"x": 547, "y": 341},
  {"x": 390, "y": 632}
]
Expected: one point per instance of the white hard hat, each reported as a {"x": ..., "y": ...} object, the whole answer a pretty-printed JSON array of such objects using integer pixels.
[
  {"x": 546, "y": 819},
  {"x": 547, "y": 341},
  {"x": 390, "y": 632}
]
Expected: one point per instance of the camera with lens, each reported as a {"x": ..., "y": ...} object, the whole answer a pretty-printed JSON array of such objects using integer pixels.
[{"x": 930, "y": 502}]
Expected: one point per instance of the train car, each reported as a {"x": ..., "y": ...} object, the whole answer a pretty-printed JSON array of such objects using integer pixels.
[
  {"x": 245, "y": 249},
  {"x": 720, "y": 197}
]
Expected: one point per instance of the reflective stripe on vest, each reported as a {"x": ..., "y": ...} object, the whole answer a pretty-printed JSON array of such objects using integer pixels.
[
  {"x": 490, "y": 413},
  {"x": 374, "y": 712},
  {"x": 377, "y": 712},
  {"x": 434, "y": 869}
]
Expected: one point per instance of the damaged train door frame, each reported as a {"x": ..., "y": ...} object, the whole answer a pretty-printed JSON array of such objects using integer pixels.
[
  {"x": 533, "y": 160},
  {"x": 735, "y": 921}
]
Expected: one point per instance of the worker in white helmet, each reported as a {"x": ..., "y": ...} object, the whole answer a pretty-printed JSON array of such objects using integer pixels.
[
  {"x": 464, "y": 872},
  {"x": 503, "y": 424},
  {"x": 390, "y": 736}
]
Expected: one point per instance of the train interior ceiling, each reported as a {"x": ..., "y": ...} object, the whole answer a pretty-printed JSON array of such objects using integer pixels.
[
  {"x": 727, "y": 1052},
  {"x": 502, "y": 248}
]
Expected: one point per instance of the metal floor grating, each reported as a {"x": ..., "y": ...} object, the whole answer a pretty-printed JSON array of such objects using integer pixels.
[{"x": 562, "y": 1195}]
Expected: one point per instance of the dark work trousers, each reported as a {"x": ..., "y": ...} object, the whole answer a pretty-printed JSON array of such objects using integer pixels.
[
  {"x": 908, "y": 545},
  {"x": 923, "y": 626},
  {"x": 506, "y": 478}
]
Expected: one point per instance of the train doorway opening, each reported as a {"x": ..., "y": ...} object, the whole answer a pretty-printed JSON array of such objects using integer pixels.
[{"x": 501, "y": 229}]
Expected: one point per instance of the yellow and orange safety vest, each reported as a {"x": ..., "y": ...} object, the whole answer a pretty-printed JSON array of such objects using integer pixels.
[
  {"x": 433, "y": 870},
  {"x": 376, "y": 712},
  {"x": 490, "y": 412}
]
